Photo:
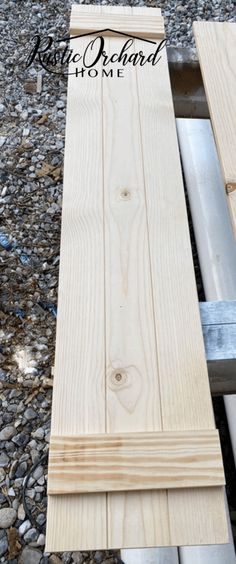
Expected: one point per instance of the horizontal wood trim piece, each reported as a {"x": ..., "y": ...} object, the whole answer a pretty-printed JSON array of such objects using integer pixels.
[
  {"x": 134, "y": 461},
  {"x": 139, "y": 25}
]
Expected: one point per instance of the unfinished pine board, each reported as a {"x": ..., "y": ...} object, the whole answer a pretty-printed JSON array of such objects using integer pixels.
[
  {"x": 196, "y": 516},
  {"x": 129, "y": 354},
  {"x": 216, "y": 45},
  {"x": 150, "y": 25},
  {"x": 79, "y": 380},
  {"x": 134, "y": 461},
  {"x": 133, "y": 400}
]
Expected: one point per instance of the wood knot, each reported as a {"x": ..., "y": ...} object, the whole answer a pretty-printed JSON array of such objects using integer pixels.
[
  {"x": 230, "y": 187},
  {"x": 118, "y": 378},
  {"x": 125, "y": 194}
]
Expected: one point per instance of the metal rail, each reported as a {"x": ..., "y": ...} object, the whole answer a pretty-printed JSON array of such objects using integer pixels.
[{"x": 219, "y": 333}]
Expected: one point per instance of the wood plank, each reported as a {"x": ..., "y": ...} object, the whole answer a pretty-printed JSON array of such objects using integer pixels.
[
  {"x": 216, "y": 49},
  {"x": 151, "y": 24},
  {"x": 134, "y": 461},
  {"x": 124, "y": 349},
  {"x": 154, "y": 506},
  {"x": 181, "y": 362},
  {"x": 133, "y": 402},
  {"x": 79, "y": 381}
]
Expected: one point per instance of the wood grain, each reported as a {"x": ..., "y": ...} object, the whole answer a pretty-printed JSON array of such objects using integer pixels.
[
  {"x": 149, "y": 24},
  {"x": 185, "y": 398},
  {"x": 129, "y": 350},
  {"x": 216, "y": 45},
  {"x": 134, "y": 461},
  {"x": 133, "y": 401},
  {"x": 79, "y": 380}
]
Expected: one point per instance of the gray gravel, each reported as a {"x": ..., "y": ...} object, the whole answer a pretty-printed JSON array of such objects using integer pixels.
[{"x": 31, "y": 160}]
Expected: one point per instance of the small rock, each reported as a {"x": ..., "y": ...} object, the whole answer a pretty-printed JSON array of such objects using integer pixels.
[
  {"x": 30, "y": 493},
  {"x": 39, "y": 489},
  {"x": 31, "y": 482},
  {"x": 41, "y": 540},
  {"x": 7, "y": 433},
  {"x": 21, "y": 439},
  {"x": 13, "y": 469},
  {"x": 3, "y": 543},
  {"x": 60, "y": 104},
  {"x": 38, "y": 434},
  {"x": 7, "y": 517},
  {"x": 21, "y": 470},
  {"x": 77, "y": 557},
  {"x": 24, "y": 457},
  {"x": 30, "y": 556},
  {"x": 2, "y": 475},
  {"x": 3, "y": 498},
  {"x": 31, "y": 535},
  {"x": 24, "y": 527},
  {"x": 30, "y": 414},
  {"x": 38, "y": 472},
  {"x": 21, "y": 512},
  {"x": 18, "y": 107},
  {"x": 47, "y": 437},
  {"x": 3, "y": 375},
  {"x": 2, "y": 108},
  {"x": 53, "y": 559},
  {"x": 15, "y": 504},
  {"x": 11, "y": 492},
  {"x": 24, "y": 114},
  {"x": 41, "y": 481},
  {"x": 34, "y": 455},
  {"x": 40, "y": 519},
  {"x": 66, "y": 557},
  {"x": 98, "y": 556},
  {"x": 59, "y": 144},
  {"x": 4, "y": 460},
  {"x": 2, "y": 140}
]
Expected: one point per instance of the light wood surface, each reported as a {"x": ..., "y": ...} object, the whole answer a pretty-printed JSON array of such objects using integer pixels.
[
  {"x": 216, "y": 45},
  {"x": 151, "y": 24},
  {"x": 128, "y": 306},
  {"x": 133, "y": 402},
  {"x": 184, "y": 386},
  {"x": 134, "y": 461},
  {"x": 79, "y": 380}
]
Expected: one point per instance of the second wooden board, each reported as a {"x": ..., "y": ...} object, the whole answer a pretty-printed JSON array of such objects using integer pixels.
[{"x": 216, "y": 45}]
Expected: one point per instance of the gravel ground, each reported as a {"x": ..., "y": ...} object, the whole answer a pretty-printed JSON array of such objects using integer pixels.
[{"x": 31, "y": 161}]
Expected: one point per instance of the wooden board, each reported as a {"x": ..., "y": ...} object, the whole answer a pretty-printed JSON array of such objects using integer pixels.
[
  {"x": 134, "y": 461},
  {"x": 78, "y": 398},
  {"x": 129, "y": 353},
  {"x": 195, "y": 516},
  {"x": 216, "y": 45},
  {"x": 84, "y": 21}
]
